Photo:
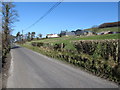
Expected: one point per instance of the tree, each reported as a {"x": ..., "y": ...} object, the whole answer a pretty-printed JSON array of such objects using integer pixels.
[
  {"x": 18, "y": 36},
  {"x": 32, "y": 35},
  {"x": 62, "y": 33},
  {"x": 29, "y": 36},
  {"x": 0, "y": 30},
  {"x": 9, "y": 16},
  {"x": 40, "y": 35}
]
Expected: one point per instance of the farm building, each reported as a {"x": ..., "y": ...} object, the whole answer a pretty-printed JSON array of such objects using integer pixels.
[
  {"x": 70, "y": 34},
  {"x": 52, "y": 35}
]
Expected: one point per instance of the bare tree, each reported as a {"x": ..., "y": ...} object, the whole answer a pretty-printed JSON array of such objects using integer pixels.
[
  {"x": 0, "y": 31},
  {"x": 9, "y": 16}
]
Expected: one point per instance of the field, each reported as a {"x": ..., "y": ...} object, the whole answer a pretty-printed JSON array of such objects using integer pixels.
[
  {"x": 68, "y": 40},
  {"x": 114, "y": 29}
]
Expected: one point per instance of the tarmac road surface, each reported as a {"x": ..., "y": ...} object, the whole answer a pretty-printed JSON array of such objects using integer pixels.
[{"x": 33, "y": 70}]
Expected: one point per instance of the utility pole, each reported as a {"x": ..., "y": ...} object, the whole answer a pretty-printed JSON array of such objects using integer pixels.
[{"x": 22, "y": 36}]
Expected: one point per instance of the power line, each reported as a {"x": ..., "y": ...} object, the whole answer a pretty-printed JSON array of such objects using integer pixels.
[{"x": 51, "y": 9}]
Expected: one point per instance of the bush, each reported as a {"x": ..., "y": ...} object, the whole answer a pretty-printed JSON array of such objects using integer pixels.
[
  {"x": 59, "y": 46},
  {"x": 34, "y": 44},
  {"x": 105, "y": 57},
  {"x": 39, "y": 44},
  {"x": 105, "y": 48}
]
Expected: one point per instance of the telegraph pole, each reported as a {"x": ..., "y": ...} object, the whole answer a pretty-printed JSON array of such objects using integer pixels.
[{"x": 22, "y": 36}]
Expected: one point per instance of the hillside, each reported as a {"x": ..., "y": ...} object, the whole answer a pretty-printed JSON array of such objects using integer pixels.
[
  {"x": 112, "y": 26},
  {"x": 113, "y": 29}
]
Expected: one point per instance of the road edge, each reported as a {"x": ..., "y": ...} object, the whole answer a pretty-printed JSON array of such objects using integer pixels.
[
  {"x": 10, "y": 71},
  {"x": 5, "y": 70}
]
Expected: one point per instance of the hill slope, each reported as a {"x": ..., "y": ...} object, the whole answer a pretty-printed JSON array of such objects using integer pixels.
[{"x": 113, "y": 29}]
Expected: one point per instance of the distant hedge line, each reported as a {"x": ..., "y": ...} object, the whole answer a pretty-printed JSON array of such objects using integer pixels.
[{"x": 101, "y": 57}]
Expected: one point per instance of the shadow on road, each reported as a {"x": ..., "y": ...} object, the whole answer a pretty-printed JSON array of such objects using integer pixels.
[{"x": 15, "y": 47}]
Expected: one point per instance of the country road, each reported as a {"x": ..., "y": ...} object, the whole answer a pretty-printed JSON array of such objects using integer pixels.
[{"x": 33, "y": 70}]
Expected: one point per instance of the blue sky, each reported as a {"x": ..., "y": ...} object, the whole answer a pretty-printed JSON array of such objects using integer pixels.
[{"x": 67, "y": 16}]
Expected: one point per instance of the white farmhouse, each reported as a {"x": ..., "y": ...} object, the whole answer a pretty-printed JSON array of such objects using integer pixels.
[{"x": 52, "y": 35}]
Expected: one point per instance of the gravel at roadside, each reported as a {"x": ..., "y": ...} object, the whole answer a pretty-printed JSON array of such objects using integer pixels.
[{"x": 5, "y": 70}]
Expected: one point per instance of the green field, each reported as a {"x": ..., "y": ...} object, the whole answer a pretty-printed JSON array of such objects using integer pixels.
[
  {"x": 114, "y": 29},
  {"x": 68, "y": 40}
]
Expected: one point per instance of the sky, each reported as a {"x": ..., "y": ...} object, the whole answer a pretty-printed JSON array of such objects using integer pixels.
[
  {"x": 67, "y": 16},
  {"x": 57, "y": 0}
]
